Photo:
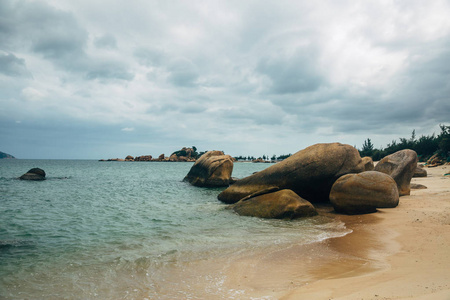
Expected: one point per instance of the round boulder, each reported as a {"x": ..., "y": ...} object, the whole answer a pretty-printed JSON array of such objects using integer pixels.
[
  {"x": 282, "y": 204},
  {"x": 364, "y": 193},
  {"x": 212, "y": 169},
  {"x": 33, "y": 174},
  {"x": 400, "y": 166}
]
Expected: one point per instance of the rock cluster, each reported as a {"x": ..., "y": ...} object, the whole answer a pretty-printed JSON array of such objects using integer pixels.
[
  {"x": 320, "y": 173},
  {"x": 310, "y": 173},
  {"x": 34, "y": 174},
  {"x": 183, "y": 155}
]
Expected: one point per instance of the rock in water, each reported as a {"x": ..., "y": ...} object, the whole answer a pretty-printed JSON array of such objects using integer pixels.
[
  {"x": 212, "y": 169},
  {"x": 364, "y": 193},
  {"x": 310, "y": 173},
  {"x": 283, "y": 204},
  {"x": 400, "y": 166},
  {"x": 33, "y": 174}
]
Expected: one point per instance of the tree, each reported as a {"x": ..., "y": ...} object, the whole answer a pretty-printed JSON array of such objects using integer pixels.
[{"x": 367, "y": 149}]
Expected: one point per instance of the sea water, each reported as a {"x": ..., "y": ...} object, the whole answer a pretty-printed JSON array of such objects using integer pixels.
[{"x": 126, "y": 230}]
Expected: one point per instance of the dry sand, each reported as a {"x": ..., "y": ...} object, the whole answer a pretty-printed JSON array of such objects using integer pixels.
[{"x": 399, "y": 253}]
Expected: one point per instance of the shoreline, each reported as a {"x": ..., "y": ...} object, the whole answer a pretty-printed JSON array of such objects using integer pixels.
[{"x": 396, "y": 253}]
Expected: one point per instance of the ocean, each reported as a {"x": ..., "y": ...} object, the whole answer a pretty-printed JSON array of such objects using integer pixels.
[{"x": 129, "y": 230}]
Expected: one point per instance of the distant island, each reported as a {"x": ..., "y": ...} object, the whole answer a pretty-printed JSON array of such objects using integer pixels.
[{"x": 5, "y": 155}]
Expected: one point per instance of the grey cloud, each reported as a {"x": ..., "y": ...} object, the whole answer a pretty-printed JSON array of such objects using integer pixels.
[
  {"x": 149, "y": 57},
  {"x": 182, "y": 72},
  {"x": 11, "y": 65},
  {"x": 106, "y": 41},
  {"x": 292, "y": 73},
  {"x": 109, "y": 71},
  {"x": 53, "y": 33}
]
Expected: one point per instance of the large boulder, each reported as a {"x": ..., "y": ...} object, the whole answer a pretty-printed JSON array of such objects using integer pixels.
[
  {"x": 283, "y": 204},
  {"x": 213, "y": 168},
  {"x": 33, "y": 174},
  {"x": 310, "y": 173},
  {"x": 364, "y": 193},
  {"x": 400, "y": 166}
]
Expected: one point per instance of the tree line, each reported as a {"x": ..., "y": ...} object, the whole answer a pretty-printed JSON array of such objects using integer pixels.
[{"x": 425, "y": 146}]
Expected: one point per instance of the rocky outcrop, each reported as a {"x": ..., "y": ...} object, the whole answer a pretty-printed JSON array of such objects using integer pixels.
[
  {"x": 34, "y": 174},
  {"x": 364, "y": 193},
  {"x": 161, "y": 157},
  {"x": 368, "y": 163},
  {"x": 129, "y": 158},
  {"x": 143, "y": 158},
  {"x": 212, "y": 169},
  {"x": 5, "y": 155},
  {"x": 400, "y": 166},
  {"x": 310, "y": 173},
  {"x": 420, "y": 171},
  {"x": 283, "y": 204}
]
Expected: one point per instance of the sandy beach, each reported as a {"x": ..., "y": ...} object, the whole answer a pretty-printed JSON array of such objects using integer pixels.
[{"x": 399, "y": 253}]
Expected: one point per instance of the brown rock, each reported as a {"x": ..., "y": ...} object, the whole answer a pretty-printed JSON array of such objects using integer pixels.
[
  {"x": 364, "y": 193},
  {"x": 400, "y": 166},
  {"x": 420, "y": 172},
  {"x": 161, "y": 157},
  {"x": 417, "y": 186},
  {"x": 368, "y": 163},
  {"x": 129, "y": 158},
  {"x": 310, "y": 173},
  {"x": 213, "y": 168},
  {"x": 283, "y": 204},
  {"x": 143, "y": 158}
]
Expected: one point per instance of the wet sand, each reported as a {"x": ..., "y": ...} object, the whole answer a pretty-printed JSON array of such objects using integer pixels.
[{"x": 399, "y": 253}]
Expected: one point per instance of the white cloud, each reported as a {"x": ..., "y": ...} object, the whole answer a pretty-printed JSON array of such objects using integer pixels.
[{"x": 256, "y": 76}]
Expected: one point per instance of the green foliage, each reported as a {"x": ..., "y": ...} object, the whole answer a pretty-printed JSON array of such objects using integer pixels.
[{"x": 425, "y": 146}]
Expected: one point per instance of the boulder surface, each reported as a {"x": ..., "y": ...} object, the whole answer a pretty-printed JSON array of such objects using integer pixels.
[
  {"x": 368, "y": 163},
  {"x": 400, "y": 166},
  {"x": 310, "y": 173},
  {"x": 364, "y": 193},
  {"x": 282, "y": 204},
  {"x": 212, "y": 169},
  {"x": 33, "y": 174}
]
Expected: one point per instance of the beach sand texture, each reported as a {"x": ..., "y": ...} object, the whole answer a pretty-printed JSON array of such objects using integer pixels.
[{"x": 397, "y": 253}]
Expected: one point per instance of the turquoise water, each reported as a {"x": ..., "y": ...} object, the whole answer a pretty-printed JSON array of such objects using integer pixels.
[{"x": 126, "y": 230}]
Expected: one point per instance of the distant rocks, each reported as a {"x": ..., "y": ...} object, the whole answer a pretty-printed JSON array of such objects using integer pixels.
[
  {"x": 183, "y": 155},
  {"x": 364, "y": 193},
  {"x": 213, "y": 168},
  {"x": 401, "y": 166},
  {"x": 282, "y": 204},
  {"x": 420, "y": 171},
  {"x": 310, "y": 173},
  {"x": 4, "y": 155},
  {"x": 34, "y": 174}
]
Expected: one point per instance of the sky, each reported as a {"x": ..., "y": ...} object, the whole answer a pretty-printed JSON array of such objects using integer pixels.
[{"x": 104, "y": 79}]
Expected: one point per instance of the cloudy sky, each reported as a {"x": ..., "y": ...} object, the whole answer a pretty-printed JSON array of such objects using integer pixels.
[{"x": 103, "y": 79}]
